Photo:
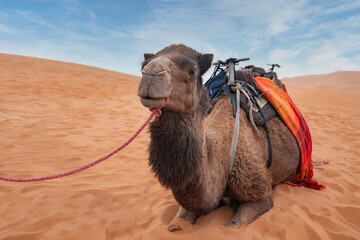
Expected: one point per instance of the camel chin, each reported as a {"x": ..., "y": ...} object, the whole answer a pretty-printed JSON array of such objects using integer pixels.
[{"x": 153, "y": 103}]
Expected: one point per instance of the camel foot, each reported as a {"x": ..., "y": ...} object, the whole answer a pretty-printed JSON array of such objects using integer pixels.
[
  {"x": 179, "y": 224},
  {"x": 231, "y": 225},
  {"x": 249, "y": 211},
  {"x": 183, "y": 219}
]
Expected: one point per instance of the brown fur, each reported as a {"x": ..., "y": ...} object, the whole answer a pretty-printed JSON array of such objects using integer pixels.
[
  {"x": 172, "y": 165},
  {"x": 189, "y": 151}
]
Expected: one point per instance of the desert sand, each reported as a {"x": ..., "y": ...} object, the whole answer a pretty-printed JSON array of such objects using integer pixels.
[
  {"x": 57, "y": 116},
  {"x": 347, "y": 80}
]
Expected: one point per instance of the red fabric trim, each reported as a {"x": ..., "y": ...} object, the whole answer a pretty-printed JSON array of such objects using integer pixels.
[{"x": 296, "y": 123}]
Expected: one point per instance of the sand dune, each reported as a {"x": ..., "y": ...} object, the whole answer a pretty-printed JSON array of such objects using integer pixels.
[
  {"x": 57, "y": 116},
  {"x": 348, "y": 80}
]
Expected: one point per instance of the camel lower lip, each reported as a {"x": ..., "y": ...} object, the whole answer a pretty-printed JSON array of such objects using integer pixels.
[{"x": 152, "y": 103}]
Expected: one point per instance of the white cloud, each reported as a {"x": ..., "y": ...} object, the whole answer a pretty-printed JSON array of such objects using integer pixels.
[
  {"x": 339, "y": 6},
  {"x": 282, "y": 55},
  {"x": 302, "y": 36},
  {"x": 72, "y": 5},
  {"x": 336, "y": 54},
  {"x": 74, "y": 52},
  {"x": 333, "y": 26},
  {"x": 8, "y": 29},
  {"x": 78, "y": 37},
  {"x": 262, "y": 16},
  {"x": 30, "y": 17},
  {"x": 251, "y": 29},
  {"x": 324, "y": 56}
]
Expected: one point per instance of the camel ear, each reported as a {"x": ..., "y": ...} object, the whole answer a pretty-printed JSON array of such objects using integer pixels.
[
  {"x": 205, "y": 62},
  {"x": 147, "y": 56}
]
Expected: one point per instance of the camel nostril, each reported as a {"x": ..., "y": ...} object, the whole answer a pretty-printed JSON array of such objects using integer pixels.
[
  {"x": 161, "y": 73},
  {"x": 158, "y": 73}
]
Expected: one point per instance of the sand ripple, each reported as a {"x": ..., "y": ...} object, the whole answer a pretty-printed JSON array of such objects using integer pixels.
[{"x": 56, "y": 116}]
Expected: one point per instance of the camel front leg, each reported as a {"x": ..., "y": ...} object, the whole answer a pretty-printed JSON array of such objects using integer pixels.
[
  {"x": 249, "y": 211},
  {"x": 183, "y": 218}
]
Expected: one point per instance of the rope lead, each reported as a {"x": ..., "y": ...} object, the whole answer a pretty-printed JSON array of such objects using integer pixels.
[{"x": 154, "y": 112}]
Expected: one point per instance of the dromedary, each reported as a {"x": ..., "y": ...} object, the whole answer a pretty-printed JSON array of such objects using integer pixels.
[{"x": 189, "y": 150}]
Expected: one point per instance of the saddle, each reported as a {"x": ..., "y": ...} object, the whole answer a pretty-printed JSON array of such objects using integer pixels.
[
  {"x": 250, "y": 99},
  {"x": 256, "y": 107}
]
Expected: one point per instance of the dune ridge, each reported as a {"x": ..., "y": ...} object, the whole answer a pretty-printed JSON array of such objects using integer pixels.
[
  {"x": 57, "y": 116},
  {"x": 346, "y": 80}
]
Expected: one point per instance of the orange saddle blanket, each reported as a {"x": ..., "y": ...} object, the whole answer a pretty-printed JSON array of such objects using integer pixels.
[{"x": 296, "y": 123}]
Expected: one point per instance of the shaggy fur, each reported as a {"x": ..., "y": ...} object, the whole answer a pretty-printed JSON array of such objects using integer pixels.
[
  {"x": 175, "y": 166},
  {"x": 189, "y": 151}
]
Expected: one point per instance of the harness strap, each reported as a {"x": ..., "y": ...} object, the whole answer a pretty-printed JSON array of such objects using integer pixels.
[
  {"x": 236, "y": 131},
  {"x": 268, "y": 164},
  {"x": 226, "y": 89},
  {"x": 236, "y": 105},
  {"x": 253, "y": 100},
  {"x": 251, "y": 97},
  {"x": 251, "y": 115}
]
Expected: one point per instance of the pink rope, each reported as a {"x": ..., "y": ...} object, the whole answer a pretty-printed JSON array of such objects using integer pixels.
[
  {"x": 320, "y": 163},
  {"x": 154, "y": 112}
]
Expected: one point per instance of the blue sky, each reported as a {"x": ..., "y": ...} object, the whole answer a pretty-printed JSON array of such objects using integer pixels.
[{"x": 303, "y": 36}]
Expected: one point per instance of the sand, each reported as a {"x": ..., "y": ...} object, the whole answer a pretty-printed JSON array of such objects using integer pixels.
[
  {"x": 57, "y": 116},
  {"x": 347, "y": 80}
]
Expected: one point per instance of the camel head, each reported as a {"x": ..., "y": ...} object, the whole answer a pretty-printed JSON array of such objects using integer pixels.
[{"x": 174, "y": 73}]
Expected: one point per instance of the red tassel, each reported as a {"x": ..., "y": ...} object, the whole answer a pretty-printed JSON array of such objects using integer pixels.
[{"x": 310, "y": 183}]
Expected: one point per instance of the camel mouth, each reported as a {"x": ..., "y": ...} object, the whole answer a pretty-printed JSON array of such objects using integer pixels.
[{"x": 152, "y": 102}]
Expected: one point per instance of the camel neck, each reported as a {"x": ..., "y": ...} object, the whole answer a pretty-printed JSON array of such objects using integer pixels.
[{"x": 176, "y": 147}]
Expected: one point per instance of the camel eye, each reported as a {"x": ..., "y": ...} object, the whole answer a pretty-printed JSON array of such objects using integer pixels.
[{"x": 192, "y": 71}]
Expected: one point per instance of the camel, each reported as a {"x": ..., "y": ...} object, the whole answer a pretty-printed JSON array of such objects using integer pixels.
[{"x": 189, "y": 149}]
